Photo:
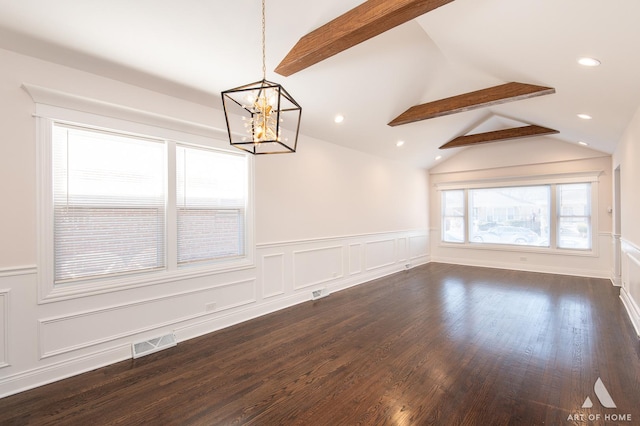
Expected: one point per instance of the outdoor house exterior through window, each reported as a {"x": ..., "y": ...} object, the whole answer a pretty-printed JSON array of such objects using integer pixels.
[{"x": 552, "y": 216}]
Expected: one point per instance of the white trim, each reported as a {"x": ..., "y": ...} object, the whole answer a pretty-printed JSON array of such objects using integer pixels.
[
  {"x": 55, "y": 98},
  {"x": 366, "y": 254},
  {"x": 281, "y": 291},
  {"x": 45, "y": 321},
  {"x": 632, "y": 309},
  {"x": 557, "y": 178},
  {"x": 409, "y": 232},
  {"x": 50, "y": 373},
  {"x": 543, "y": 269},
  {"x": 323, "y": 280},
  {"x": 5, "y": 306},
  {"x": 17, "y": 271}
]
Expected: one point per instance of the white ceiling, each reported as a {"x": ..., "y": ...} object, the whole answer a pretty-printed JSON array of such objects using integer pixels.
[{"x": 194, "y": 49}]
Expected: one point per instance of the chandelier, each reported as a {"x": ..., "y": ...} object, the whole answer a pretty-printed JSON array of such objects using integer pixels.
[{"x": 262, "y": 117}]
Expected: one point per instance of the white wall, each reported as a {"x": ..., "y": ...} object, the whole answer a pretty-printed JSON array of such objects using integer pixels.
[
  {"x": 511, "y": 161},
  {"x": 627, "y": 158},
  {"x": 326, "y": 217}
]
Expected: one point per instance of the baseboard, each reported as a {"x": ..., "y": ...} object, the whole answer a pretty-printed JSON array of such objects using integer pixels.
[
  {"x": 604, "y": 274},
  {"x": 632, "y": 310},
  {"x": 54, "y": 372}
]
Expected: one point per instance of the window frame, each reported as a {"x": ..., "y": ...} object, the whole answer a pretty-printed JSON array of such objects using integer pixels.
[
  {"x": 591, "y": 177},
  {"x": 173, "y": 133}
]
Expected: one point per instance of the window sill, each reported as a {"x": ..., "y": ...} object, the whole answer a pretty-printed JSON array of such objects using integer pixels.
[
  {"x": 109, "y": 285},
  {"x": 519, "y": 248}
]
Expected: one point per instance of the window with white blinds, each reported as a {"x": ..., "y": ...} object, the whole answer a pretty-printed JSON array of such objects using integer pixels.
[
  {"x": 124, "y": 205},
  {"x": 108, "y": 203},
  {"x": 211, "y": 193}
]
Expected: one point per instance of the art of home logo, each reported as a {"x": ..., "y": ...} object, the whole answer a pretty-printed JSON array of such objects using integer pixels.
[{"x": 605, "y": 401}]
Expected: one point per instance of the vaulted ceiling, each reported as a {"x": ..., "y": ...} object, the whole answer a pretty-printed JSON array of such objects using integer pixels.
[{"x": 194, "y": 49}]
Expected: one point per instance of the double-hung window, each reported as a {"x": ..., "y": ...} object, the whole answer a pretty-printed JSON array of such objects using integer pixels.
[
  {"x": 108, "y": 204},
  {"x": 574, "y": 216},
  {"x": 210, "y": 199},
  {"x": 125, "y": 207}
]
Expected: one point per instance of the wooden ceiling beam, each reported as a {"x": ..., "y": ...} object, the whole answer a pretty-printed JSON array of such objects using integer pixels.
[
  {"x": 499, "y": 135},
  {"x": 496, "y": 95},
  {"x": 361, "y": 23}
]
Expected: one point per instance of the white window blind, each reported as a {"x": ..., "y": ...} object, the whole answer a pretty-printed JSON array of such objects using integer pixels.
[
  {"x": 211, "y": 198},
  {"x": 109, "y": 200}
]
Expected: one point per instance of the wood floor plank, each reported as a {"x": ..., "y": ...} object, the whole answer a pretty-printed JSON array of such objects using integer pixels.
[{"x": 439, "y": 344}]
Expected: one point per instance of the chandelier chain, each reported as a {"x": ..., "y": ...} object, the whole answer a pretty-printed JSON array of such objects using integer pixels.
[{"x": 264, "y": 55}]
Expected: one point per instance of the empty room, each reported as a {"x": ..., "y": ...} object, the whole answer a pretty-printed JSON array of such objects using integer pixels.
[{"x": 279, "y": 212}]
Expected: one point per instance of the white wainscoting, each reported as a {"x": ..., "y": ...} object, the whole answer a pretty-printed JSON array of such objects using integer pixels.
[
  {"x": 93, "y": 327},
  {"x": 317, "y": 266},
  {"x": 630, "y": 291},
  {"x": 379, "y": 254},
  {"x": 272, "y": 275},
  {"x": 48, "y": 342},
  {"x": 4, "y": 328},
  {"x": 595, "y": 264}
]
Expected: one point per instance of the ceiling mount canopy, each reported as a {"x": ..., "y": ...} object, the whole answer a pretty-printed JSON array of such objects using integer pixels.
[{"x": 262, "y": 117}]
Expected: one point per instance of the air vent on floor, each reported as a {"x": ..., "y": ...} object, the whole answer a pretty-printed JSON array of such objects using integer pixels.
[
  {"x": 153, "y": 345},
  {"x": 318, "y": 294}
]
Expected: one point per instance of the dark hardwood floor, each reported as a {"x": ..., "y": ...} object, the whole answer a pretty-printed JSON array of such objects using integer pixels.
[{"x": 439, "y": 344}]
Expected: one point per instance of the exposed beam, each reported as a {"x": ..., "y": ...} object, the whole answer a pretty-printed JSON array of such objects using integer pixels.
[
  {"x": 496, "y": 95},
  {"x": 499, "y": 135},
  {"x": 361, "y": 23}
]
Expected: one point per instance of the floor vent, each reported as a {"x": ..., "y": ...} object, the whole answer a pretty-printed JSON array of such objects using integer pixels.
[
  {"x": 318, "y": 294},
  {"x": 153, "y": 345}
]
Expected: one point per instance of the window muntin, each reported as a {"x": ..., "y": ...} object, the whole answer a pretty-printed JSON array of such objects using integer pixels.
[
  {"x": 511, "y": 215},
  {"x": 453, "y": 217},
  {"x": 574, "y": 216}
]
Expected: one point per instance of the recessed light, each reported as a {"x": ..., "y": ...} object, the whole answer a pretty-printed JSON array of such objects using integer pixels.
[
  {"x": 583, "y": 143},
  {"x": 585, "y": 116},
  {"x": 589, "y": 62},
  {"x": 399, "y": 143},
  {"x": 339, "y": 118},
  {"x": 439, "y": 157}
]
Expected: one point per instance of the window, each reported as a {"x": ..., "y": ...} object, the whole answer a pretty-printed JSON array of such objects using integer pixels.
[
  {"x": 521, "y": 215},
  {"x": 574, "y": 216},
  {"x": 453, "y": 216},
  {"x": 108, "y": 204},
  {"x": 516, "y": 215},
  {"x": 123, "y": 205},
  {"x": 211, "y": 190}
]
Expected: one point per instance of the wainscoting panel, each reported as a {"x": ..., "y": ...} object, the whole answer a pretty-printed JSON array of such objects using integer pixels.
[
  {"x": 4, "y": 328},
  {"x": 235, "y": 295},
  {"x": 317, "y": 266},
  {"x": 630, "y": 291},
  {"x": 272, "y": 275},
  {"x": 418, "y": 246},
  {"x": 355, "y": 258},
  {"x": 71, "y": 332},
  {"x": 379, "y": 254},
  {"x": 402, "y": 251}
]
